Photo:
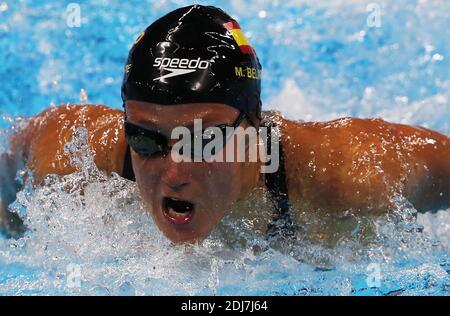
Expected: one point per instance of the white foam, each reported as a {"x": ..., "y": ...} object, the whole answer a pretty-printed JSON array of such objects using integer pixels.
[{"x": 90, "y": 234}]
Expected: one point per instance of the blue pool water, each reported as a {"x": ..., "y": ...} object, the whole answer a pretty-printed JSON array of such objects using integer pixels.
[{"x": 321, "y": 61}]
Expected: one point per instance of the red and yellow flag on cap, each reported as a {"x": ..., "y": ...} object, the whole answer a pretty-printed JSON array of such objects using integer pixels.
[{"x": 235, "y": 30}]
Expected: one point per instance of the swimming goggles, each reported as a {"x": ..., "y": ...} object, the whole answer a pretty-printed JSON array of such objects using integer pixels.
[{"x": 151, "y": 144}]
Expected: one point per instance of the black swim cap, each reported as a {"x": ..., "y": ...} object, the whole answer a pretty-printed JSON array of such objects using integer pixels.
[{"x": 195, "y": 54}]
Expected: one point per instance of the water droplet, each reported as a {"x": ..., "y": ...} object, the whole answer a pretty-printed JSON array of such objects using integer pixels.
[
  {"x": 83, "y": 96},
  {"x": 262, "y": 14},
  {"x": 3, "y": 7}
]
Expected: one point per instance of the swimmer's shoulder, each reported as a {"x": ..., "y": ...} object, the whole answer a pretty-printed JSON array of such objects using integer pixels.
[
  {"x": 42, "y": 140},
  {"x": 348, "y": 127},
  {"x": 85, "y": 115}
]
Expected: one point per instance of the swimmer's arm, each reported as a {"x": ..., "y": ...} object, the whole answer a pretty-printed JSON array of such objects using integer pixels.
[
  {"x": 428, "y": 187},
  {"x": 10, "y": 163},
  {"x": 360, "y": 164},
  {"x": 39, "y": 146},
  {"x": 50, "y": 130}
]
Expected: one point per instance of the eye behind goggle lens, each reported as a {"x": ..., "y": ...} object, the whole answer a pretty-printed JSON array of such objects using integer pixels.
[
  {"x": 147, "y": 146},
  {"x": 151, "y": 144}
]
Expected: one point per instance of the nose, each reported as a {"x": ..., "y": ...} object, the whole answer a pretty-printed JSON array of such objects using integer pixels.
[{"x": 174, "y": 177}]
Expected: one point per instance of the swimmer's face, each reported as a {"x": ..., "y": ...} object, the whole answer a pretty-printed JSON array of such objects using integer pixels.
[{"x": 187, "y": 199}]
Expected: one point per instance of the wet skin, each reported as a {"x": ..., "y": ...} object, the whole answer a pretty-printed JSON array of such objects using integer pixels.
[{"x": 332, "y": 167}]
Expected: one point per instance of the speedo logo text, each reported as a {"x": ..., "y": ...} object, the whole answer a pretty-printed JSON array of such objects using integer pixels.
[{"x": 179, "y": 66}]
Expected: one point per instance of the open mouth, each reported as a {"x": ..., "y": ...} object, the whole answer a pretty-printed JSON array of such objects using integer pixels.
[{"x": 178, "y": 212}]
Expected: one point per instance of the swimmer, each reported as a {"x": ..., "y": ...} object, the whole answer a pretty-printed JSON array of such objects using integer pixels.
[{"x": 195, "y": 63}]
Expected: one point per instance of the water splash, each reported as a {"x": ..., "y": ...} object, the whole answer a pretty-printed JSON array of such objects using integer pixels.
[{"x": 89, "y": 233}]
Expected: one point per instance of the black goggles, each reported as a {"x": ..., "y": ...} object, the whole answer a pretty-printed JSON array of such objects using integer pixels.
[{"x": 153, "y": 144}]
